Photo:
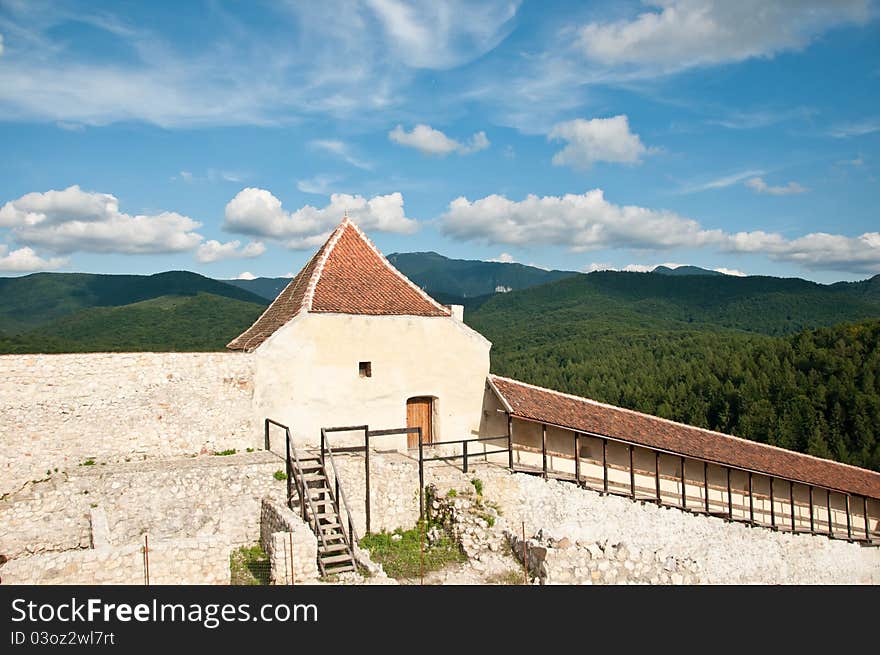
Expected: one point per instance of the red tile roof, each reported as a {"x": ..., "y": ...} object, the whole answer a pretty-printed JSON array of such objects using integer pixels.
[
  {"x": 348, "y": 275},
  {"x": 542, "y": 405}
]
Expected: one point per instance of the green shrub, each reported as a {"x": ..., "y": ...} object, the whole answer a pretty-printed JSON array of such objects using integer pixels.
[{"x": 279, "y": 475}]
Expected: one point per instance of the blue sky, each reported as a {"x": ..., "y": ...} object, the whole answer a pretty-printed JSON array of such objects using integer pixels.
[{"x": 227, "y": 137}]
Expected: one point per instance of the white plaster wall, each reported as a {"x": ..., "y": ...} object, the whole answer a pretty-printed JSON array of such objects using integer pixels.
[{"x": 306, "y": 375}]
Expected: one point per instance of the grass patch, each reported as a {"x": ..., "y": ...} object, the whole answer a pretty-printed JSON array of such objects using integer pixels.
[
  {"x": 510, "y": 577},
  {"x": 249, "y": 565},
  {"x": 231, "y": 451},
  {"x": 279, "y": 475},
  {"x": 400, "y": 557},
  {"x": 88, "y": 462}
]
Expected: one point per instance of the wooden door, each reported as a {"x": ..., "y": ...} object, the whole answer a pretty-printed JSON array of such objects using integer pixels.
[{"x": 420, "y": 414}]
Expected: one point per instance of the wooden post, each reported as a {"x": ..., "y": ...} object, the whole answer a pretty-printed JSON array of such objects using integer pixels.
[
  {"x": 605, "y": 465},
  {"x": 706, "y": 486},
  {"x": 772, "y": 507},
  {"x": 577, "y": 458},
  {"x": 421, "y": 477},
  {"x": 510, "y": 441},
  {"x": 751, "y": 502},
  {"x": 791, "y": 503},
  {"x": 657, "y": 474},
  {"x": 729, "y": 498},
  {"x": 867, "y": 520},
  {"x": 848, "y": 519},
  {"x": 632, "y": 474},
  {"x": 684, "y": 500},
  {"x": 830, "y": 524},
  {"x": 544, "y": 448},
  {"x": 367, "y": 479},
  {"x": 464, "y": 457},
  {"x": 812, "y": 522}
]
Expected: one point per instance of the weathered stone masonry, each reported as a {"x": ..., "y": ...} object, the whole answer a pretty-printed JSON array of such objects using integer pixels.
[{"x": 57, "y": 411}]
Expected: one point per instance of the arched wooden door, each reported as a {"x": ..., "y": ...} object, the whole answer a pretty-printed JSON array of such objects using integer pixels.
[{"x": 420, "y": 414}]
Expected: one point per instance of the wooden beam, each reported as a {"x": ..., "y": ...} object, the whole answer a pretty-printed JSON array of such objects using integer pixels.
[
  {"x": 544, "y": 448},
  {"x": 657, "y": 475},
  {"x": 848, "y": 519},
  {"x": 729, "y": 497},
  {"x": 577, "y": 458},
  {"x": 751, "y": 502},
  {"x": 684, "y": 500},
  {"x": 791, "y": 504},
  {"x": 605, "y": 465},
  {"x": 867, "y": 520},
  {"x": 510, "y": 440},
  {"x": 632, "y": 474},
  {"x": 830, "y": 524},
  {"x": 772, "y": 507},
  {"x": 812, "y": 522},
  {"x": 706, "y": 486}
]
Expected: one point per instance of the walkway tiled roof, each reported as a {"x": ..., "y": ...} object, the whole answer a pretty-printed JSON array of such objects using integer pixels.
[
  {"x": 348, "y": 275},
  {"x": 542, "y": 405}
]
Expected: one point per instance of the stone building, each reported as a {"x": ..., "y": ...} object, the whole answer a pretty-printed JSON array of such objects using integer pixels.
[{"x": 352, "y": 341}]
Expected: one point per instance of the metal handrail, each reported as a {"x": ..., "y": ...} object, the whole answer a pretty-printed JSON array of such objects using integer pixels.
[{"x": 325, "y": 443}]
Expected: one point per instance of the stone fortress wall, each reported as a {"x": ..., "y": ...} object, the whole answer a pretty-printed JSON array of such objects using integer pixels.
[{"x": 59, "y": 411}]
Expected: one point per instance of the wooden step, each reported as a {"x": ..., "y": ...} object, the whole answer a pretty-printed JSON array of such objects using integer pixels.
[
  {"x": 339, "y": 569},
  {"x": 333, "y": 548},
  {"x": 332, "y": 559},
  {"x": 314, "y": 477}
]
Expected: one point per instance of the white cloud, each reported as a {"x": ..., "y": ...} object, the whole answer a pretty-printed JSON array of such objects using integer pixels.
[
  {"x": 1, "y": 44},
  {"x": 681, "y": 34},
  {"x": 731, "y": 271},
  {"x": 343, "y": 151},
  {"x": 860, "y": 128},
  {"x": 581, "y": 222},
  {"x": 319, "y": 184},
  {"x": 25, "y": 260},
  {"x": 589, "y": 222},
  {"x": 758, "y": 185},
  {"x": 350, "y": 59},
  {"x": 818, "y": 250},
  {"x": 429, "y": 141},
  {"x": 73, "y": 220},
  {"x": 186, "y": 176},
  {"x": 719, "y": 183},
  {"x": 503, "y": 258},
  {"x": 258, "y": 213},
  {"x": 442, "y": 34},
  {"x": 595, "y": 140},
  {"x": 214, "y": 251},
  {"x": 246, "y": 275}
]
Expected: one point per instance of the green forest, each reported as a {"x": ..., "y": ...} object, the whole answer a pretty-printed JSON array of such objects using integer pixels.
[{"x": 816, "y": 392}]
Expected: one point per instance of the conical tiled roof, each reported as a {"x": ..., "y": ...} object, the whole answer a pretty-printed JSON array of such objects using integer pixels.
[{"x": 348, "y": 275}]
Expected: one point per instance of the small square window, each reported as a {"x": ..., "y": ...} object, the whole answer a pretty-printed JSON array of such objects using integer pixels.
[{"x": 365, "y": 369}]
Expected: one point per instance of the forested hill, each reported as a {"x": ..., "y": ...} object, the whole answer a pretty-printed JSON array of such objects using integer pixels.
[
  {"x": 466, "y": 278},
  {"x": 33, "y": 300},
  {"x": 765, "y": 305}
]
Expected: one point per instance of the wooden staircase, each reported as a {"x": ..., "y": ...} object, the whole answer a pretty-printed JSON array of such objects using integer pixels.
[{"x": 319, "y": 506}]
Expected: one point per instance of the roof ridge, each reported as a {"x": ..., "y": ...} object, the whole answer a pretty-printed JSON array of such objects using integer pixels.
[
  {"x": 348, "y": 222},
  {"x": 680, "y": 424},
  {"x": 329, "y": 245}
]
